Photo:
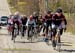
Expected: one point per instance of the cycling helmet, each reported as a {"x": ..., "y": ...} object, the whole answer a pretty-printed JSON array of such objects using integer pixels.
[
  {"x": 34, "y": 13},
  {"x": 16, "y": 13},
  {"x": 59, "y": 10},
  {"x": 24, "y": 16},
  {"x": 31, "y": 17},
  {"x": 49, "y": 11}
]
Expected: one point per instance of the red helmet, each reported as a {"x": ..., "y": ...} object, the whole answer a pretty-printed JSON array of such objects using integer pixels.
[{"x": 31, "y": 17}]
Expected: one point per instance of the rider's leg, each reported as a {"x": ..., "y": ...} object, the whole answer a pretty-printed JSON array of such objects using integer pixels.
[
  {"x": 51, "y": 34},
  {"x": 43, "y": 28},
  {"x": 47, "y": 30},
  {"x": 33, "y": 29},
  {"x": 50, "y": 31},
  {"x": 18, "y": 25},
  {"x": 18, "y": 29},
  {"x": 46, "y": 34},
  {"x": 12, "y": 33},
  {"x": 28, "y": 31},
  {"x": 53, "y": 38},
  {"x": 23, "y": 31},
  {"x": 60, "y": 33}
]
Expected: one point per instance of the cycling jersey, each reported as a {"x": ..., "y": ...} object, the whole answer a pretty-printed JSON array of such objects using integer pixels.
[
  {"x": 60, "y": 22},
  {"x": 31, "y": 22},
  {"x": 24, "y": 21},
  {"x": 36, "y": 19},
  {"x": 10, "y": 21},
  {"x": 48, "y": 22},
  {"x": 16, "y": 20},
  {"x": 57, "y": 20}
]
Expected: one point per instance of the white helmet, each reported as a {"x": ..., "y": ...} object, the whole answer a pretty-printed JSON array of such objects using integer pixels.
[
  {"x": 34, "y": 13},
  {"x": 17, "y": 13}
]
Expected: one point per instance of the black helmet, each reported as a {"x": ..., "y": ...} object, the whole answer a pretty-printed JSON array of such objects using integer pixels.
[
  {"x": 59, "y": 10},
  {"x": 49, "y": 11}
]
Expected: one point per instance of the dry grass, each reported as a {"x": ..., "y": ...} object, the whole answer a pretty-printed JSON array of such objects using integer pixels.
[{"x": 71, "y": 23}]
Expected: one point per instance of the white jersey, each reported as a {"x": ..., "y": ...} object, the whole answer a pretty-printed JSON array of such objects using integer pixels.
[{"x": 31, "y": 22}]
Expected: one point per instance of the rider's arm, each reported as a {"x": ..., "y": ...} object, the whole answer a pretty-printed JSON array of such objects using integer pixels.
[
  {"x": 65, "y": 22},
  {"x": 64, "y": 19},
  {"x": 27, "y": 22}
]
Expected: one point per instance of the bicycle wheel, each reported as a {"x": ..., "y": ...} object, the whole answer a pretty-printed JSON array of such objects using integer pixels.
[
  {"x": 22, "y": 32},
  {"x": 58, "y": 45},
  {"x": 15, "y": 34},
  {"x": 54, "y": 44},
  {"x": 35, "y": 34},
  {"x": 31, "y": 36}
]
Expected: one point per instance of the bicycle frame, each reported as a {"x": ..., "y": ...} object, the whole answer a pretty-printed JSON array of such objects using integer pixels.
[
  {"x": 57, "y": 34},
  {"x": 57, "y": 38}
]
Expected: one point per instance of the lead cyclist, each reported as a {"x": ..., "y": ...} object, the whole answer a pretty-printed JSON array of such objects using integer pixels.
[{"x": 60, "y": 23}]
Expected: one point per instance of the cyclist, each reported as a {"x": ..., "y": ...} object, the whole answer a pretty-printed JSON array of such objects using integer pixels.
[
  {"x": 35, "y": 17},
  {"x": 40, "y": 22},
  {"x": 48, "y": 21},
  {"x": 16, "y": 20},
  {"x": 10, "y": 22},
  {"x": 32, "y": 22},
  {"x": 58, "y": 18},
  {"x": 23, "y": 20}
]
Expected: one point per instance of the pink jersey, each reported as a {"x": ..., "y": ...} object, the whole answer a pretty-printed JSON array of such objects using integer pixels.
[{"x": 10, "y": 21}]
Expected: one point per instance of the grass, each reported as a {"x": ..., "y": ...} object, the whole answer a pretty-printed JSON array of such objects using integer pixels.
[{"x": 71, "y": 23}]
